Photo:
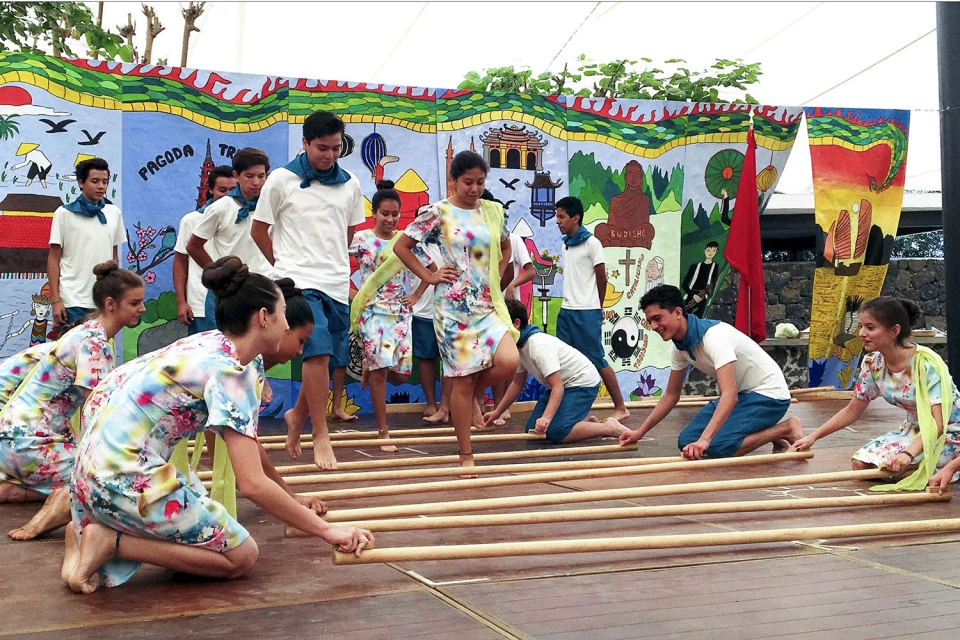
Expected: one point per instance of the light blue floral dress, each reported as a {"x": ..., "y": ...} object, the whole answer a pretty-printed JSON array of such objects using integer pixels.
[
  {"x": 898, "y": 389},
  {"x": 15, "y": 368},
  {"x": 467, "y": 326},
  {"x": 36, "y": 439},
  {"x": 124, "y": 478},
  {"x": 384, "y": 326}
]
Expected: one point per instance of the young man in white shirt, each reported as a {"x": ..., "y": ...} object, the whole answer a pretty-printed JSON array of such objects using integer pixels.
[
  {"x": 314, "y": 207},
  {"x": 191, "y": 294},
  {"x": 580, "y": 320},
  {"x": 572, "y": 384},
  {"x": 83, "y": 234},
  {"x": 754, "y": 395}
]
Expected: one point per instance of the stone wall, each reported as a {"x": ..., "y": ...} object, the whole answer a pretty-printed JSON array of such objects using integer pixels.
[{"x": 789, "y": 288}]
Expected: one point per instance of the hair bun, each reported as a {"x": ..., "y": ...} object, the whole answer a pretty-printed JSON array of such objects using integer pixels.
[
  {"x": 385, "y": 184},
  {"x": 913, "y": 312},
  {"x": 104, "y": 269},
  {"x": 288, "y": 288},
  {"x": 225, "y": 276}
]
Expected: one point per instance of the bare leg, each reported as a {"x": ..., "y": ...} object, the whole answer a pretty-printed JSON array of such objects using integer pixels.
[
  {"x": 442, "y": 416},
  {"x": 609, "y": 378},
  {"x": 316, "y": 385},
  {"x": 428, "y": 380},
  {"x": 378, "y": 398},
  {"x": 71, "y": 553},
  {"x": 98, "y": 544},
  {"x": 499, "y": 390},
  {"x": 54, "y": 513},
  {"x": 790, "y": 430},
  {"x": 10, "y": 492},
  {"x": 294, "y": 419},
  {"x": 462, "y": 406},
  {"x": 585, "y": 429},
  {"x": 337, "y": 411}
]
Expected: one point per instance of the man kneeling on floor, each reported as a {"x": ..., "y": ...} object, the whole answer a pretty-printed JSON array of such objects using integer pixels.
[
  {"x": 572, "y": 384},
  {"x": 754, "y": 395}
]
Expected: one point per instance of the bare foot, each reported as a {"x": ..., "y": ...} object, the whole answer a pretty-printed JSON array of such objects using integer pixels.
[
  {"x": 594, "y": 419},
  {"x": 429, "y": 410},
  {"x": 442, "y": 416},
  {"x": 477, "y": 417},
  {"x": 781, "y": 446},
  {"x": 387, "y": 448},
  {"x": 294, "y": 429},
  {"x": 796, "y": 429},
  {"x": 339, "y": 414},
  {"x": 499, "y": 422},
  {"x": 614, "y": 428},
  {"x": 323, "y": 454},
  {"x": 621, "y": 415},
  {"x": 466, "y": 460},
  {"x": 54, "y": 513},
  {"x": 10, "y": 492},
  {"x": 71, "y": 554},
  {"x": 97, "y": 546}
]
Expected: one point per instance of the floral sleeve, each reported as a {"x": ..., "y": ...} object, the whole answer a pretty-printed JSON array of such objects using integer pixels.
[
  {"x": 426, "y": 225},
  {"x": 422, "y": 255},
  {"x": 94, "y": 361},
  {"x": 232, "y": 400},
  {"x": 933, "y": 384},
  {"x": 867, "y": 387}
]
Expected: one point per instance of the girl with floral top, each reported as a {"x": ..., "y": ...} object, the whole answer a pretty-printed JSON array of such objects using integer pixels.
[
  {"x": 36, "y": 438},
  {"x": 130, "y": 505},
  {"x": 906, "y": 375}
]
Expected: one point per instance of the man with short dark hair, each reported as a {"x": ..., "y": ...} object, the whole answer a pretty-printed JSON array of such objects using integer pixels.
[{"x": 754, "y": 395}]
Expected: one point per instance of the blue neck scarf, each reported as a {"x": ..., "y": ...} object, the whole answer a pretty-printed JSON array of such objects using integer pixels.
[
  {"x": 246, "y": 206},
  {"x": 695, "y": 330},
  {"x": 88, "y": 209},
  {"x": 207, "y": 204},
  {"x": 525, "y": 334},
  {"x": 302, "y": 167},
  {"x": 578, "y": 238}
]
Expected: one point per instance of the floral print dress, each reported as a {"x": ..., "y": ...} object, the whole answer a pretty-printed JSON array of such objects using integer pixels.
[
  {"x": 384, "y": 326},
  {"x": 14, "y": 369},
  {"x": 898, "y": 389},
  {"x": 36, "y": 439},
  {"x": 124, "y": 478},
  {"x": 467, "y": 326}
]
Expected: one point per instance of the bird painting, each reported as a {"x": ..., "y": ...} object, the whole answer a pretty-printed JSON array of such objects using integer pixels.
[
  {"x": 509, "y": 185},
  {"x": 91, "y": 140},
  {"x": 57, "y": 127}
]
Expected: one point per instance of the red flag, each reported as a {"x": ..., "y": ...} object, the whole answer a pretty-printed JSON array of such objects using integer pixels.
[{"x": 743, "y": 249}]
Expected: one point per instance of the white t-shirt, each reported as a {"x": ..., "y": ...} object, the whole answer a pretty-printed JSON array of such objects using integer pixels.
[
  {"x": 519, "y": 257},
  {"x": 753, "y": 368},
  {"x": 310, "y": 230},
  {"x": 425, "y": 305},
  {"x": 543, "y": 355},
  {"x": 86, "y": 242},
  {"x": 218, "y": 225},
  {"x": 196, "y": 292},
  {"x": 579, "y": 277}
]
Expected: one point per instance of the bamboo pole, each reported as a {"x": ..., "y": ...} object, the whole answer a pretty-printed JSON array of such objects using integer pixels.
[
  {"x": 802, "y": 392},
  {"x": 530, "y": 467},
  {"x": 629, "y": 493},
  {"x": 392, "y": 463},
  {"x": 404, "y": 442},
  {"x": 629, "y": 513},
  {"x": 643, "y": 543},
  {"x": 543, "y": 477}
]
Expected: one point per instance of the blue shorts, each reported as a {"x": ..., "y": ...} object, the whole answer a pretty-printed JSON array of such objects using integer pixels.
[
  {"x": 210, "y": 308},
  {"x": 582, "y": 330},
  {"x": 342, "y": 356},
  {"x": 75, "y": 313},
  {"x": 753, "y": 413},
  {"x": 425, "y": 339},
  {"x": 199, "y": 325},
  {"x": 331, "y": 320},
  {"x": 575, "y": 405}
]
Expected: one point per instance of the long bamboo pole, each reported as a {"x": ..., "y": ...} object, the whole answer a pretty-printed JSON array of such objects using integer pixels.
[
  {"x": 642, "y": 543},
  {"x": 628, "y": 493},
  {"x": 550, "y": 476},
  {"x": 628, "y": 513},
  {"x": 530, "y": 467},
  {"x": 405, "y": 442},
  {"x": 393, "y": 463}
]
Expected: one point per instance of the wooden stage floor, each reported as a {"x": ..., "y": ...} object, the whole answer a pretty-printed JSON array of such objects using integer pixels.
[{"x": 861, "y": 588}]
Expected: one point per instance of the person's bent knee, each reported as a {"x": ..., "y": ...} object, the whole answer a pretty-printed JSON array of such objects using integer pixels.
[
  {"x": 858, "y": 465},
  {"x": 243, "y": 558}
]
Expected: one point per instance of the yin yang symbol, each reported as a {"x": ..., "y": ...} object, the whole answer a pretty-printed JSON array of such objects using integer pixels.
[{"x": 626, "y": 337}]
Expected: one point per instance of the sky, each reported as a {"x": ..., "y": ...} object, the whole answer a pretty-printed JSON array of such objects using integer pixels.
[{"x": 830, "y": 54}]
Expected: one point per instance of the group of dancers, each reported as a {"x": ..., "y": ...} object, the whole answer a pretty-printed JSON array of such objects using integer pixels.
[{"x": 95, "y": 442}]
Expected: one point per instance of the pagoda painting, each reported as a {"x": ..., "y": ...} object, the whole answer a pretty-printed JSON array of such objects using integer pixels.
[
  {"x": 513, "y": 147},
  {"x": 543, "y": 192}
]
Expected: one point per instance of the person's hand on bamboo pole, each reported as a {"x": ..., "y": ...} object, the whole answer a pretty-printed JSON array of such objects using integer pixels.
[
  {"x": 695, "y": 450},
  {"x": 313, "y": 503},
  {"x": 943, "y": 477}
]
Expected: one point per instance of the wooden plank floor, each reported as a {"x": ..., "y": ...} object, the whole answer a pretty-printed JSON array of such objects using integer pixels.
[{"x": 872, "y": 588}]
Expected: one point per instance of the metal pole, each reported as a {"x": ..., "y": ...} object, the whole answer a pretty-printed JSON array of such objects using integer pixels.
[{"x": 948, "y": 60}]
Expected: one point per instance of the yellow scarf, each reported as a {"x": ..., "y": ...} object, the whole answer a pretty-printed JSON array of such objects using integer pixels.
[
  {"x": 932, "y": 441},
  {"x": 493, "y": 215}
]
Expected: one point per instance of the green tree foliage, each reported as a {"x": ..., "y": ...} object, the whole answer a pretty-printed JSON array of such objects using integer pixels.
[
  {"x": 621, "y": 79},
  {"x": 47, "y": 27}
]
